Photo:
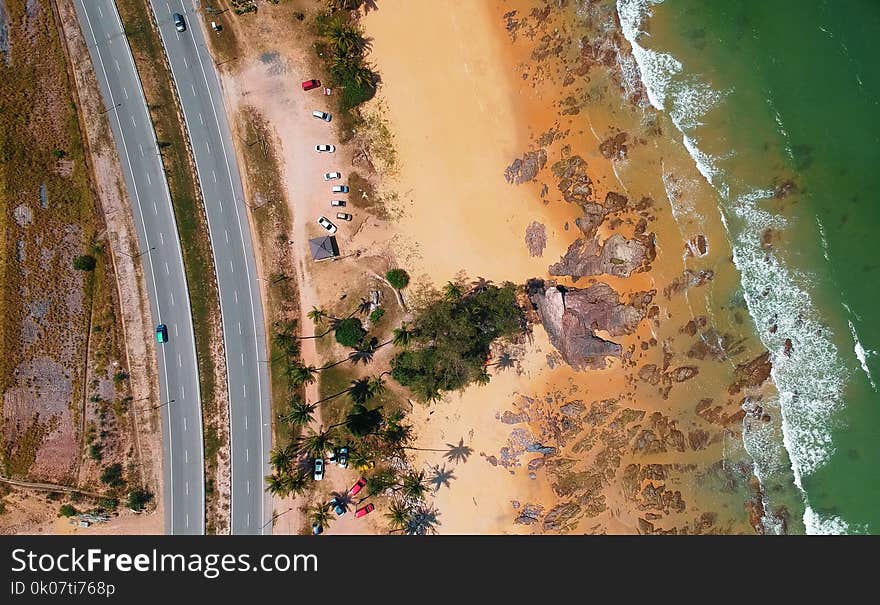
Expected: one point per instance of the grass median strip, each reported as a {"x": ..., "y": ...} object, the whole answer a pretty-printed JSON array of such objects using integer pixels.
[{"x": 194, "y": 239}]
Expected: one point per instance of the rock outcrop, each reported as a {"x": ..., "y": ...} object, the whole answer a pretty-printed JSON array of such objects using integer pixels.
[
  {"x": 573, "y": 316},
  {"x": 524, "y": 170}
]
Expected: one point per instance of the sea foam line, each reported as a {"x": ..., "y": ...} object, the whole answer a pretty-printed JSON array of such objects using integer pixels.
[{"x": 810, "y": 378}]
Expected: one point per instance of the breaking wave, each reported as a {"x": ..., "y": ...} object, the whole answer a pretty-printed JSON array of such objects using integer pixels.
[{"x": 809, "y": 376}]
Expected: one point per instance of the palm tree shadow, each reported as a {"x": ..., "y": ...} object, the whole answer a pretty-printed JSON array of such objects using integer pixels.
[
  {"x": 440, "y": 477},
  {"x": 458, "y": 453},
  {"x": 344, "y": 499},
  {"x": 423, "y": 520}
]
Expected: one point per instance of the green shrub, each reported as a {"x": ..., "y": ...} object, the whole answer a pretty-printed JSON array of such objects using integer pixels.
[
  {"x": 398, "y": 278},
  {"x": 377, "y": 314},
  {"x": 350, "y": 332},
  {"x": 85, "y": 262},
  {"x": 138, "y": 498},
  {"x": 96, "y": 451},
  {"x": 67, "y": 510},
  {"x": 112, "y": 475}
]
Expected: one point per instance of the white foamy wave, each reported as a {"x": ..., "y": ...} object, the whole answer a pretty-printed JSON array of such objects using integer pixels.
[
  {"x": 823, "y": 240},
  {"x": 691, "y": 101},
  {"x": 828, "y": 526},
  {"x": 811, "y": 377},
  {"x": 862, "y": 354},
  {"x": 705, "y": 163},
  {"x": 657, "y": 69}
]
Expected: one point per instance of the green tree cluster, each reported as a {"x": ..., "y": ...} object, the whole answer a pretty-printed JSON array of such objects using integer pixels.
[
  {"x": 348, "y": 69},
  {"x": 450, "y": 337}
]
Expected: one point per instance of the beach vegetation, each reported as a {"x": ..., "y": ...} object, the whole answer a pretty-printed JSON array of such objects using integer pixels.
[
  {"x": 451, "y": 338},
  {"x": 138, "y": 498},
  {"x": 350, "y": 332},
  {"x": 343, "y": 47},
  {"x": 85, "y": 262},
  {"x": 398, "y": 278},
  {"x": 67, "y": 510},
  {"x": 376, "y": 315}
]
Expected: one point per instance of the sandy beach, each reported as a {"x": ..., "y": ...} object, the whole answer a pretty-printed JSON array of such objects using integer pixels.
[{"x": 641, "y": 445}]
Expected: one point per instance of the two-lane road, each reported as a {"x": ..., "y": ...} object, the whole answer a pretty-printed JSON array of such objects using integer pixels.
[
  {"x": 198, "y": 87},
  {"x": 160, "y": 254}
]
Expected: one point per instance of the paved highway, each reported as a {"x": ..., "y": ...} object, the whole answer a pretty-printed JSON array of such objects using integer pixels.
[
  {"x": 160, "y": 254},
  {"x": 198, "y": 87}
]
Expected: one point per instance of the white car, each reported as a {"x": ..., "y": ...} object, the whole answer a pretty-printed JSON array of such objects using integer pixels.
[
  {"x": 322, "y": 116},
  {"x": 319, "y": 469},
  {"x": 340, "y": 189},
  {"x": 327, "y": 225},
  {"x": 332, "y": 176},
  {"x": 343, "y": 216},
  {"x": 337, "y": 203},
  {"x": 325, "y": 148}
]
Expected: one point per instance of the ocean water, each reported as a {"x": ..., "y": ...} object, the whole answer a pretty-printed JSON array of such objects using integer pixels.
[{"x": 777, "y": 104}]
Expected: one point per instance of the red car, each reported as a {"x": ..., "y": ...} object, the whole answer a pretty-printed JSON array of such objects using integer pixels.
[
  {"x": 310, "y": 84},
  {"x": 364, "y": 510},
  {"x": 357, "y": 486}
]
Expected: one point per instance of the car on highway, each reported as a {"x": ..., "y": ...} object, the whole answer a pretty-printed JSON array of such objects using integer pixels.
[
  {"x": 364, "y": 510},
  {"x": 325, "y": 148},
  {"x": 358, "y": 486},
  {"x": 340, "y": 189},
  {"x": 161, "y": 334},
  {"x": 310, "y": 84},
  {"x": 319, "y": 469},
  {"x": 179, "y": 23},
  {"x": 338, "y": 506},
  {"x": 330, "y": 227},
  {"x": 343, "y": 216},
  {"x": 337, "y": 203},
  {"x": 332, "y": 176},
  {"x": 342, "y": 458},
  {"x": 322, "y": 115}
]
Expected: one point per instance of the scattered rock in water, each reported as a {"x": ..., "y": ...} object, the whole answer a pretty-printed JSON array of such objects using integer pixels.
[
  {"x": 575, "y": 185},
  {"x": 615, "y": 202},
  {"x": 525, "y": 169},
  {"x": 614, "y": 147},
  {"x": 684, "y": 373},
  {"x": 698, "y": 246},
  {"x": 784, "y": 189},
  {"x": 536, "y": 238},
  {"x": 751, "y": 374}
]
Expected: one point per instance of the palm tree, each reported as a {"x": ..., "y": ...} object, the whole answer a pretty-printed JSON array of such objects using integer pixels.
[
  {"x": 452, "y": 291},
  {"x": 397, "y": 515},
  {"x": 360, "y": 422},
  {"x": 319, "y": 514},
  {"x": 440, "y": 477},
  {"x": 276, "y": 485},
  {"x": 296, "y": 483},
  {"x": 396, "y": 434},
  {"x": 360, "y": 390},
  {"x": 280, "y": 458},
  {"x": 380, "y": 481},
  {"x": 300, "y": 374},
  {"x": 318, "y": 315},
  {"x": 458, "y": 453},
  {"x": 299, "y": 413},
  {"x": 358, "y": 457},
  {"x": 364, "y": 352},
  {"x": 481, "y": 284},
  {"x": 413, "y": 485},
  {"x": 422, "y": 521},
  {"x": 364, "y": 76},
  {"x": 315, "y": 444},
  {"x": 402, "y": 336}
]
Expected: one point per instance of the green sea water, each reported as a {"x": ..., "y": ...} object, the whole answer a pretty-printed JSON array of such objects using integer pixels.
[{"x": 778, "y": 97}]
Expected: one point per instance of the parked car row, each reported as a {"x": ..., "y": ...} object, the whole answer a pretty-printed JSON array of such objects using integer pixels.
[{"x": 326, "y": 223}]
